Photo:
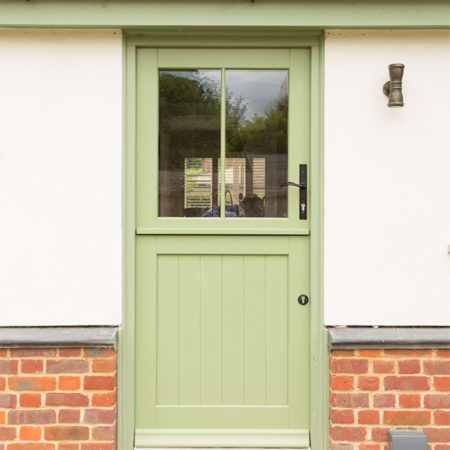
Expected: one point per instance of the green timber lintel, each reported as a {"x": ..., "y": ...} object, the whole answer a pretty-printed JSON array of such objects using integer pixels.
[{"x": 305, "y": 14}]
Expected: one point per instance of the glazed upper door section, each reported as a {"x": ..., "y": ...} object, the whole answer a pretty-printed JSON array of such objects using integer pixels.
[
  {"x": 256, "y": 124},
  {"x": 218, "y": 134}
]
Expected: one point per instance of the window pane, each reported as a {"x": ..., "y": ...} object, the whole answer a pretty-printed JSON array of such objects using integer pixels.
[
  {"x": 189, "y": 142},
  {"x": 256, "y": 151}
]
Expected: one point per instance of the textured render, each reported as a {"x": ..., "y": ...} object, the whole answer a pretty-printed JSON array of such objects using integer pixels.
[
  {"x": 60, "y": 177},
  {"x": 387, "y": 226},
  {"x": 373, "y": 391},
  {"x": 57, "y": 399}
]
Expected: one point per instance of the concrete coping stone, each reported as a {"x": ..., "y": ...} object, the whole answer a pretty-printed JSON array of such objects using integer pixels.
[
  {"x": 388, "y": 337},
  {"x": 82, "y": 336}
]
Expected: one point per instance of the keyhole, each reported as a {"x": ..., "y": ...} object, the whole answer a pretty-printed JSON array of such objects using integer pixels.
[{"x": 303, "y": 299}]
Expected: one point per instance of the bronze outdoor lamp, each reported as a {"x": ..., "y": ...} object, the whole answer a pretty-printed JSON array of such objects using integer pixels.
[{"x": 393, "y": 88}]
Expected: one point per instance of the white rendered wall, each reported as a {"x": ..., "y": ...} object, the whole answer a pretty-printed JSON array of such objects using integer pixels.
[
  {"x": 60, "y": 177},
  {"x": 387, "y": 180}
]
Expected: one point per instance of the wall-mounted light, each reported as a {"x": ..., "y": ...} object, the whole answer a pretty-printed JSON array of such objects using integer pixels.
[{"x": 393, "y": 88}]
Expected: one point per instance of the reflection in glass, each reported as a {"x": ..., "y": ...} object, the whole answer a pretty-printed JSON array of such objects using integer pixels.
[
  {"x": 189, "y": 142},
  {"x": 235, "y": 174},
  {"x": 256, "y": 147}
]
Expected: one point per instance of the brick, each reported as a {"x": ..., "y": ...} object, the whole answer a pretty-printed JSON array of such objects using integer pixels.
[
  {"x": 442, "y": 447},
  {"x": 104, "y": 365},
  {"x": 340, "y": 446},
  {"x": 437, "y": 367},
  {"x": 342, "y": 416},
  {"x": 38, "y": 417},
  {"x": 406, "y": 417},
  {"x": 369, "y": 352},
  {"x": 441, "y": 417},
  {"x": 68, "y": 383},
  {"x": 67, "y": 366},
  {"x": 7, "y": 433},
  {"x": 409, "y": 400},
  {"x": 2, "y": 417},
  {"x": 69, "y": 416},
  {"x": 379, "y": 434},
  {"x": 69, "y": 352},
  {"x": 32, "y": 383},
  {"x": 341, "y": 383},
  {"x": 104, "y": 433},
  {"x": 443, "y": 352},
  {"x": 66, "y": 433},
  {"x": 32, "y": 366},
  {"x": 8, "y": 401},
  {"x": 383, "y": 366},
  {"x": 384, "y": 400},
  {"x": 31, "y": 446},
  {"x": 349, "y": 365},
  {"x": 353, "y": 400},
  {"x": 99, "y": 416},
  {"x": 2, "y": 383},
  {"x": 437, "y": 434},
  {"x": 30, "y": 433},
  {"x": 409, "y": 366},
  {"x": 406, "y": 352},
  {"x": 99, "y": 383},
  {"x": 441, "y": 383},
  {"x": 99, "y": 352},
  {"x": 406, "y": 383},
  {"x": 368, "y": 383},
  {"x": 65, "y": 399},
  {"x": 369, "y": 447},
  {"x": 3, "y": 352},
  {"x": 89, "y": 446},
  {"x": 107, "y": 399},
  {"x": 8, "y": 366},
  {"x": 369, "y": 417},
  {"x": 32, "y": 352},
  {"x": 437, "y": 401},
  {"x": 348, "y": 433},
  {"x": 30, "y": 400},
  {"x": 65, "y": 446}
]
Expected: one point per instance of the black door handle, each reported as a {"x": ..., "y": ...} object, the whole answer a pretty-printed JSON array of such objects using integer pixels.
[
  {"x": 302, "y": 185},
  {"x": 290, "y": 183}
]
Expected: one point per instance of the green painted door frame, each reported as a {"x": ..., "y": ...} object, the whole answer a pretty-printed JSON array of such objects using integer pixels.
[{"x": 318, "y": 344}]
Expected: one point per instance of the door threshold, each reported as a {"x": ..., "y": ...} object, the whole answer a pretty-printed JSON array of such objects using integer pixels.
[{"x": 222, "y": 438}]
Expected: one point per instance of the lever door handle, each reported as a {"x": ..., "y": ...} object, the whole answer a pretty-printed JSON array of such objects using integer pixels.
[
  {"x": 290, "y": 183},
  {"x": 302, "y": 185}
]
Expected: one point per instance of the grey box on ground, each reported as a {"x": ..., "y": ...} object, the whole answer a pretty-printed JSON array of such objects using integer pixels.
[{"x": 407, "y": 440}]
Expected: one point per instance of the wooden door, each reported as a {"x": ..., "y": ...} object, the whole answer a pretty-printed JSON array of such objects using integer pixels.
[{"x": 222, "y": 344}]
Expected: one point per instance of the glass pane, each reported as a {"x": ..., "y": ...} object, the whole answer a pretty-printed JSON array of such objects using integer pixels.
[
  {"x": 256, "y": 151},
  {"x": 189, "y": 142}
]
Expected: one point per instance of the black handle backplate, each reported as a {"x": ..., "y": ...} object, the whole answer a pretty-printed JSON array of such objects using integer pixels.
[{"x": 303, "y": 197}]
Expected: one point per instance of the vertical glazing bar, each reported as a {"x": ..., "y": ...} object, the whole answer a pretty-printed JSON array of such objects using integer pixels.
[{"x": 223, "y": 116}]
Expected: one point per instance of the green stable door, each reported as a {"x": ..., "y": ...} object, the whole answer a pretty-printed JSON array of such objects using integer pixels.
[{"x": 222, "y": 248}]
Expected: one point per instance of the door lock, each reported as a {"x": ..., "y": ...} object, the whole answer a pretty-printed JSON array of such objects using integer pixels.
[
  {"x": 303, "y": 299},
  {"x": 303, "y": 195}
]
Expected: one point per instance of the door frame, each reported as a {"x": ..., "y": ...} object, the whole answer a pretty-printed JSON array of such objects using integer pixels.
[{"x": 318, "y": 337}]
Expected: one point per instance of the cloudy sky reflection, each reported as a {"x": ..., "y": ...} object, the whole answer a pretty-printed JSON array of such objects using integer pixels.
[{"x": 259, "y": 89}]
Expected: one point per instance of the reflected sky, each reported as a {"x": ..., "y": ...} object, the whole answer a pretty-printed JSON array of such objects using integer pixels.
[{"x": 258, "y": 88}]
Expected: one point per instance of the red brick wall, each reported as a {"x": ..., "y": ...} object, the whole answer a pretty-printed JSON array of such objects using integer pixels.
[
  {"x": 372, "y": 391},
  {"x": 57, "y": 399}
]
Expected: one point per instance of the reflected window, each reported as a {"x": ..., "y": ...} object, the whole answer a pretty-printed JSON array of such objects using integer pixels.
[
  {"x": 256, "y": 143},
  {"x": 189, "y": 141},
  {"x": 257, "y": 125}
]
